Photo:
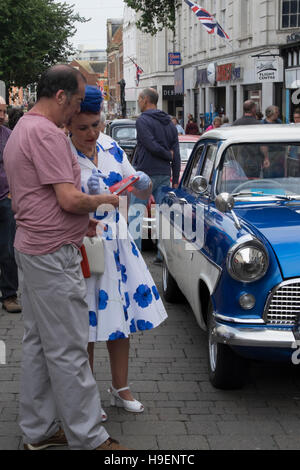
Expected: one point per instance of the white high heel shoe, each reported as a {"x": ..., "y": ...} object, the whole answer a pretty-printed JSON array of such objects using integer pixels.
[
  {"x": 104, "y": 416},
  {"x": 129, "y": 405}
]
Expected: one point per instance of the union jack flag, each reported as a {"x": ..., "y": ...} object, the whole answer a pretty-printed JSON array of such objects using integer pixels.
[
  {"x": 207, "y": 20},
  {"x": 139, "y": 71}
]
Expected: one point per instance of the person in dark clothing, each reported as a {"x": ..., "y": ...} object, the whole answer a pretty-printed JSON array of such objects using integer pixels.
[
  {"x": 191, "y": 127},
  {"x": 157, "y": 155},
  {"x": 14, "y": 114},
  {"x": 249, "y": 117},
  {"x": 254, "y": 157},
  {"x": 8, "y": 267}
]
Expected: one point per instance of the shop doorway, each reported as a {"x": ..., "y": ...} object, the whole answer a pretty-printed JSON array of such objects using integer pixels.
[{"x": 220, "y": 100}]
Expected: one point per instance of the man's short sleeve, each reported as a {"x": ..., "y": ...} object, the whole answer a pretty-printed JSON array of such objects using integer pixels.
[{"x": 52, "y": 158}]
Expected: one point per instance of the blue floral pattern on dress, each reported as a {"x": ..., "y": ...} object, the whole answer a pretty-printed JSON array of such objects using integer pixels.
[
  {"x": 116, "y": 152},
  {"x": 132, "y": 326},
  {"x": 103, "y": 298},
  {"x": 112, "y": 178},
  {"x": 144, "y": 325},
  {"x": 93, "y": 318},
  {"x": 116, "y": 335},
  {"x": 123, "y": 273},
  {"x": 143, "y": 296},
  {"x": 155, "y": 293},
  {"x": 125, "y": 307},
  {"x": 134, "y": 249}
]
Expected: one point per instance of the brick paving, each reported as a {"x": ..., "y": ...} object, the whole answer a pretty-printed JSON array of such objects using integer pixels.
[{"x": 168, "y": 373}]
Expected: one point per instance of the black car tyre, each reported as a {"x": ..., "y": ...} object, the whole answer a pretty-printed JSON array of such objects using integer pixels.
[
  {"x": 226, "y": 369},
  {"x": 171, "y": 291}
]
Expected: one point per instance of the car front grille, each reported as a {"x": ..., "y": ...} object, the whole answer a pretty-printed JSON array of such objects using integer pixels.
[{"x": 283, "y": 305}]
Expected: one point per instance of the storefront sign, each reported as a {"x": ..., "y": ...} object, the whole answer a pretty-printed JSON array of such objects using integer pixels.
[
  {"x": 228, "y": 73},
  {"x": 169, "y": 92},
  {"x": 179, "y": 81},
  {"x": 174, "y": 58},
  {"x": 266, "y": 70}
]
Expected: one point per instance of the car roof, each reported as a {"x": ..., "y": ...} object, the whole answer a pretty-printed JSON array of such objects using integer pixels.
[
  {"x": 188, "y": 138},
  {"x": 123, "y": 122},
  {"x": 256, "y": 133}
]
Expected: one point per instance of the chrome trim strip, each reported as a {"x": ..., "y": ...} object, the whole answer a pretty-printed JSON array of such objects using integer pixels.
[
  {"x": 241, "y": 321},
  {"x": 253, "y": 337}
]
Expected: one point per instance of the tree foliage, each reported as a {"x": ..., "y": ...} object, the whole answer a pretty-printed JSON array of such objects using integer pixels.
[
  {"x": 34, "y": 35},
  {"x": 154, "y": 14}
]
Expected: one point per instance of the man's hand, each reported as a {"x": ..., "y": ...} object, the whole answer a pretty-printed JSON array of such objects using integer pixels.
[{"x": 92, "y": 228}]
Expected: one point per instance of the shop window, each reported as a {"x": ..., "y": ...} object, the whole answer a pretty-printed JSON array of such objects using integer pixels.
[{"x": 290, "y": 14}]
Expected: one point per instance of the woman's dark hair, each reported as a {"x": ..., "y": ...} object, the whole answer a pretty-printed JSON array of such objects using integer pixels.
[
  {"x": 14, "y": 114},
  {"x": 59, "y": 77}
]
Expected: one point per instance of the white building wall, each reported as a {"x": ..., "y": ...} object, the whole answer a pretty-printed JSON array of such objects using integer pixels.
[{"x": 151, "y": 54}]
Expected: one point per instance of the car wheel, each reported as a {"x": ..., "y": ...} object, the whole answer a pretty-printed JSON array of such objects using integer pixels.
[
  {"x": 226, "y": 369},
  {"x": 171, "y": 291}
]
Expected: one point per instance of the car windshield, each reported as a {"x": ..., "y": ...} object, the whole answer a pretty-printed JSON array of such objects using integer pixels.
[
  {"x": 185, "y": 149},
  {"x": 260, "y": 170},
  {"x": 124, "y": 133}
]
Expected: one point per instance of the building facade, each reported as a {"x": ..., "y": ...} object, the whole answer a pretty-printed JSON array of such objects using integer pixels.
[
  {"x": 151, "y": 53},
  {"x": 114, "y": 64},
  {"x": 218, "y": 75}
]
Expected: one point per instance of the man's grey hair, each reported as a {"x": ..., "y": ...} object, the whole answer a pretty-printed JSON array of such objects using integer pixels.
[
  {"x": 271, "y": 110},
  {"x": 151, "y": 94}
]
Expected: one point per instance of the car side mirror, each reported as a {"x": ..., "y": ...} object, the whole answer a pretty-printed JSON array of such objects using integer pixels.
[
  {"x": 199, "y": 185},
  {"x": 225, "y": 203}
]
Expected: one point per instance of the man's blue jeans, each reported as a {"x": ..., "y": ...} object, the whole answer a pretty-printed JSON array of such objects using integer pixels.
[
  {"x": 135, "y": 217},
  {"x": 8, "y": 267}
]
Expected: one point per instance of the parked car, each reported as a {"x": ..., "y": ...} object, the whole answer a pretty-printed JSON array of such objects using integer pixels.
[
  {"x": 233, "y": 248},
  {"x": 123, "y": 131},
  {"x": 186, "y": 145}
]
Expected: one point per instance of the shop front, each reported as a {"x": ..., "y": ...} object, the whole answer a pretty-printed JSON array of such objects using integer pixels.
[{"x": 290, "y": 53}]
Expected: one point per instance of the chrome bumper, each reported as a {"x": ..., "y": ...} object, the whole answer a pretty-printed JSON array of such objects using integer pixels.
[{"x": 253, "y": 337}]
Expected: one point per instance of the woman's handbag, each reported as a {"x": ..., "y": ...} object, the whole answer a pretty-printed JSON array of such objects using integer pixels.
[{"x": 92, "y": 251}]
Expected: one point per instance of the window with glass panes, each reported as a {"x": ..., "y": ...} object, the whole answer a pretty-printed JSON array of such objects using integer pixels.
[{"x": 290, "y": 17}]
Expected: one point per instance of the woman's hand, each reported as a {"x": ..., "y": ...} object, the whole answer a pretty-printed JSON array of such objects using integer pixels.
[
  {"x": 92, "y": 228},
  {"x": 93, "y": 183},
  {"x": 143, "y": 181}
]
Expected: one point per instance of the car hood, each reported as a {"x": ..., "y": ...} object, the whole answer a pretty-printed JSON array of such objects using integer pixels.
[{"x": 281, "y": 227}]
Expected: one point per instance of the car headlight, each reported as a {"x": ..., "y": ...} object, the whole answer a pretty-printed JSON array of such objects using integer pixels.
[{"x": 248, "y": 262}]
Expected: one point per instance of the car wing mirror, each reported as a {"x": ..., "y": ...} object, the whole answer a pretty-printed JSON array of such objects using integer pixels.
[
  {"x": 225, "y": 203},
  {"x": 199, "y": 185}
]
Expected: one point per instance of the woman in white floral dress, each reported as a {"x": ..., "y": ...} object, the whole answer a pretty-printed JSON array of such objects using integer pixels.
[{"x": 124, "y": 299}]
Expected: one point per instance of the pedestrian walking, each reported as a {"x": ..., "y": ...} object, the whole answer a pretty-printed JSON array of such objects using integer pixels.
[
  {"x": 249, "y": 117},
  {"x": 157, "y": 154},
  {"x": 124, "y": 299},
  {"x": 57, "y": 383},
  {"x": 8, "y": 267}
]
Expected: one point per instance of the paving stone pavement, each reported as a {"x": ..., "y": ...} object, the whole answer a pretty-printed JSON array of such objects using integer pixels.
[{"x": 168, "y": 373}]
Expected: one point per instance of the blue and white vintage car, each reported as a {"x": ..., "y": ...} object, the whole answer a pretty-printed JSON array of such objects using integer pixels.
[{"x": 230, "y": 240}]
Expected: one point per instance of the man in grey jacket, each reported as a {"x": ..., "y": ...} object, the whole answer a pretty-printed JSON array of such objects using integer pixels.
[{"x": 157, "y": 155}]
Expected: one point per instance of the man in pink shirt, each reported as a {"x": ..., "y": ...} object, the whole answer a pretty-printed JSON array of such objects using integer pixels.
[{"x": 52, "y": 219}]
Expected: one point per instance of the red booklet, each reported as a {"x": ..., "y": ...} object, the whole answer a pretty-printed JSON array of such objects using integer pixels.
[
  {"x": 85, "y": 263},
  {"x": 125, "y": 184}
]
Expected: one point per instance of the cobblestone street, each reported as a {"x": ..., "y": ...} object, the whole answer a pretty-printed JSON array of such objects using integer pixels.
[{"x": 168, "y": 373}]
